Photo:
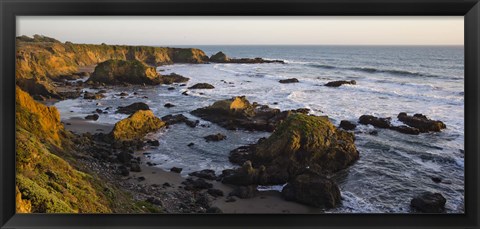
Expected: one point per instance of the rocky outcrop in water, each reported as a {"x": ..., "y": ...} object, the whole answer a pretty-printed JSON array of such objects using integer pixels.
[
  {"x": 136, "y": 126},
  {"x": 221, "y": 57},
  {"x": 291, "y": 80},
  {"x": 132, "y": 108},
  {"x": 429, "y": 202},
  {"x": 421, "y": 122},
  {"x": 202, "y": 86},
  {"x": 239, "y": 113},
  {"x": 340, "y": 83},
  {"x": 173, "y": 78},
  {"x": 416, "y": 124}
]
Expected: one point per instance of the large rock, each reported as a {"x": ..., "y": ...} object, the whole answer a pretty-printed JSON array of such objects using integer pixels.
[
  {"x": 136, "y": 126},
  {"x": 421, "y": 122},
  {"x": 304, "y": 141},
  {"x": 121, "y": 71},
  {"x": 314, "y": 190},
  {"x": 429, "y": 202},
  {"x": 132, "y": 108},
  {"x": 238, "y": 113}
]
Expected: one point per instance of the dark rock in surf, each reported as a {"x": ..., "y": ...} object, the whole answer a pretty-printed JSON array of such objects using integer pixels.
[
  {"x": 168, "y": 105},
  {"x": 202, "y": 86},
  {"x": 132, "y": 108},
  {"x": 421, "y": 122},
  {"x": 429, "y": 202},
  {"x": 291, "y": 80},
  {"x": 347, "y": 125},
  {"x": 375, "y": 121},
  {"x": 215, "y": 137},
  {"x": 340, "y": 83}
]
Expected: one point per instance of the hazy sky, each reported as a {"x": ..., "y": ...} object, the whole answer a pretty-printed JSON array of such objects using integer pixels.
[{"x": 167, "y": 30}]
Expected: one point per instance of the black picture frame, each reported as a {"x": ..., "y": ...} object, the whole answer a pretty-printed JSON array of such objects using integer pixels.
[{"x": 9, "y": 9}]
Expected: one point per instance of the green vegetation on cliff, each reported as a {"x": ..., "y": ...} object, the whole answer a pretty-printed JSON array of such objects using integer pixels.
[{"x": 49, "y": 176}]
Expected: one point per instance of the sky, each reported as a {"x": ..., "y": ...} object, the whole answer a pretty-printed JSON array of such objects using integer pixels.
[{"x": 265, "y": 30}]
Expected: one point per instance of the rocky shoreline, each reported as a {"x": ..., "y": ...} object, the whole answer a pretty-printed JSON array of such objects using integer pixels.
[{"x": 302, "y": 153}]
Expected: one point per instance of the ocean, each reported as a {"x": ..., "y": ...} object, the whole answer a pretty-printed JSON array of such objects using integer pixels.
[{"x": 392, "y": 168}]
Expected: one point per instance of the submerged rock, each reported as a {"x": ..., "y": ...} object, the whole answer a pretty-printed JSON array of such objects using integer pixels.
[
  {"x": 132, "y": 108},
  {"x": 421, "y": 122},
  {"x": 291, "y": 80},
  {"x": 215, "y": 137},
  {"x": 202, "y": 86},
  {"x": 113, "y": 72},
  {"x": 314, "y": 190},
  {"x": 136, "y": 126},
  {"x": 429, "y": 202},
  {"x": 340, "y": 83}
]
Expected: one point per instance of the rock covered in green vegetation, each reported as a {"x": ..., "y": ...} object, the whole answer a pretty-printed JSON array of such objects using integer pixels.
[
  {"x": 136, "y": 126},
  {"x": 305, "y": 141},
  {"x": 120, "y": 71}
]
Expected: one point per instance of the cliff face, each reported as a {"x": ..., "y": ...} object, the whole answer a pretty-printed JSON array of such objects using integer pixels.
[
  {"x": 46, "y": 58},
  {"x": 49, "y": 176}
]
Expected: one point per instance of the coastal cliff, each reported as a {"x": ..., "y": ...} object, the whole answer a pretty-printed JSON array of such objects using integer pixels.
[
  {"x": 51, "y": 176},
  {"x": 41, "y": 57}
]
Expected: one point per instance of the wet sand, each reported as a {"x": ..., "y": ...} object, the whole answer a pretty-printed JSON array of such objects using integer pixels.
[{"x": 80, "y": 126}]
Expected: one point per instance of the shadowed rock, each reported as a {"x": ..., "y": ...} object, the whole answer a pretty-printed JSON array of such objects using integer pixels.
[
  {"x": 202, "y": 86},
  {"x": 314, "y": 190},
  {"x": 340, "y": 83},
  {"x": 291, "y": 80},
  {"x": 132, "y": 108},
  {"x": 429, "y": 202},
  {"x": 347, "y": 125},
  {"x": 421, "y": 122}
]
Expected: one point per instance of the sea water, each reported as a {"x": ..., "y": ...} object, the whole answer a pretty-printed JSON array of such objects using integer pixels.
[{"x": 392, "y": 168}]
